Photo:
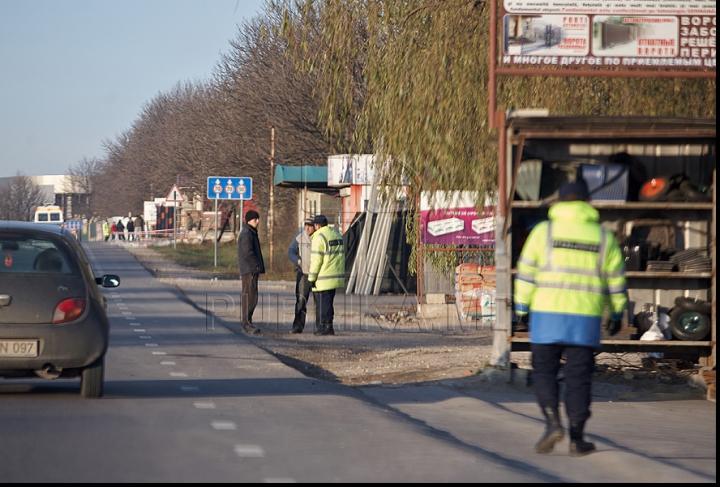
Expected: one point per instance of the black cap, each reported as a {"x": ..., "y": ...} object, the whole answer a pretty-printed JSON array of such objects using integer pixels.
[
  {"x": 575, "y": 191},
  {"x": 251, "y": 215},
  {"x": 320, "y": 220}
]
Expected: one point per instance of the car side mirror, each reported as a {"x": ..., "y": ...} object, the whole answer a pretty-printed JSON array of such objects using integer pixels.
[{"x": 108, "y": 280}]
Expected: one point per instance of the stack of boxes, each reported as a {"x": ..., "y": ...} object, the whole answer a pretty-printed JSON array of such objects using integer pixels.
[{"x": 475, "y": 292}]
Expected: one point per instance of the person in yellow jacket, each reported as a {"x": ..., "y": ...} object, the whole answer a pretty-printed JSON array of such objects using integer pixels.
[
  {"x": 106, "y": 230},
  {"x": 327, "y": 272},
  {"x": 569, "y": 271}
]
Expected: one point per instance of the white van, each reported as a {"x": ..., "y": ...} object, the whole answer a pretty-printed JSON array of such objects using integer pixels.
[{"x": 49, "y": 214}]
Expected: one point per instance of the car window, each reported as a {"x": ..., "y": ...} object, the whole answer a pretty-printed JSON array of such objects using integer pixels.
[{"x": 31, "y": 254}]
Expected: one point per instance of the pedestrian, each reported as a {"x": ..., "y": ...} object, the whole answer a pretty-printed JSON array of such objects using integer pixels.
[
  {"x": 570, "y": 268},
  {"x": 139, "y": 224},
  {"x": 299, "y": 253},
  {"x": 106, "y": 230},
  {"x": 250, "y": 261},
  {"x": 130, "y": 228},
  {"x": 327, "y": 273},
  {"x": 113, "y": 230},
  {"x": 120, "y": 227}
]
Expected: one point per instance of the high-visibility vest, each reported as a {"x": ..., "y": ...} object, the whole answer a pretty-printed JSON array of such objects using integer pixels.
[
  {"x": 569, "y": 270},
  {"x": 327, "y": 260},
  {"x": 106, "y": 229}
]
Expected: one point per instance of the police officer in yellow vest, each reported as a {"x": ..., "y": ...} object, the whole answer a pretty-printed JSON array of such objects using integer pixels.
[
  {"x": 569, "y": 270},
  {"x": 327, "y": 272},
  {"x": 106, "y": 230}
]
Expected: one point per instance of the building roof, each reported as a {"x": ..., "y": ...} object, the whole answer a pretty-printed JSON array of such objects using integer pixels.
[{"x": 309, "y": 177}]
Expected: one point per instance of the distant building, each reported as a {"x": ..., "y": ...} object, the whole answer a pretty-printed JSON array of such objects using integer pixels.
[{"x": 57, "y": 190}]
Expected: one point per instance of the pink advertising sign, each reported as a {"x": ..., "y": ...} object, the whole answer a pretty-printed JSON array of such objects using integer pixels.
[{"x": 451, "y": 218}]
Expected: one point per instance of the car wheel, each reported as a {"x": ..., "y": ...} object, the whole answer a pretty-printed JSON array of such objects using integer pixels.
[
  {"x": 92, "y": 378},
  {"x": 655, "y": 189},
  {"x": 691, "y": 304},
  {"x": 689, "y": 325}
]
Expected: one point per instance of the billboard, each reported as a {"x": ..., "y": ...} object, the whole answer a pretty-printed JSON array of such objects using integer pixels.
[
  {"x": 451, "y": 218},
  {"x": 675, "y": 33},
  {"x": 347, "y": 169}
]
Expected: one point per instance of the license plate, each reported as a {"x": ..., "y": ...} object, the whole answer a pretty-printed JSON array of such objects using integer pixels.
[{"x": 18, "y": 348}]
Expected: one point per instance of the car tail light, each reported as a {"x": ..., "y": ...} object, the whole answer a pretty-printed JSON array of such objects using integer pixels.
[{"x": 68, "y": 310}]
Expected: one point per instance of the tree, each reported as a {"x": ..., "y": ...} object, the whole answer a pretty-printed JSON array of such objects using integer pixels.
[
  {"x": 80, "y": 184},
  {"x": 19, "y": 198}
]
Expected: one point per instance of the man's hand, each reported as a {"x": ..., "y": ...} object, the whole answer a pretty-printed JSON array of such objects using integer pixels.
[{"x": 613, "y": 327}]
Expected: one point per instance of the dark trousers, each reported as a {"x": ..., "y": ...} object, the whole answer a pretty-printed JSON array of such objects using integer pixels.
[
  {"x": 324, "y": 311},
  {"x": 302, "y": 294},
  {"x": 249, "y": 297},
  {"x": 578, "y": 369}
]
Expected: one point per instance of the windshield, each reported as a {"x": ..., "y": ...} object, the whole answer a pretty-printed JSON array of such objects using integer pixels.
[{"x": 31, "y": 254}]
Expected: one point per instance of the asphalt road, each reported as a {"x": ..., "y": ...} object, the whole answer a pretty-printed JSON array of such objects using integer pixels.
[{"x": 189, "y": 403}]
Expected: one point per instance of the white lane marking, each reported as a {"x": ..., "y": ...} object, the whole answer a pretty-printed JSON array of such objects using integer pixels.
[
  {"x": 139, "y": 330},
  {"x": 178, "y": 374},
  {"x": 133, "y": 324},
  {"x": 151, "y": 344},
  {"x": 189, "y": 389},
  {"x": 204, "y": 405},
  {"x": 122, "y": 306},
  {"x": 279, "y": 481},
  {"x": 159, "y": 353},
  {"x": 167, "y": 363},
  {"x": 127, "y": 312},
  {"x": 130, "y": 318},
  {"x": 224, "y": 425},
  {"x": 144, "y": 337},
  {"x": 249, "y": 451}
]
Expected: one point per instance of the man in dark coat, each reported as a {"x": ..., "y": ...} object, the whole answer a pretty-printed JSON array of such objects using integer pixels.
[{"x": 251, "y": 265}]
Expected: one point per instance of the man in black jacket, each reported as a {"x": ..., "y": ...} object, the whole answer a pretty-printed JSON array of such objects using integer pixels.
[{"x": 251, "y": 265}]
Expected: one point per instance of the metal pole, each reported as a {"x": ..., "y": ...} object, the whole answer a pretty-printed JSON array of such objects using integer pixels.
[
  {"x": 272, "y": 196},
  {"x": 175, "y": 223},
  {"x": 216, "y": 225}
]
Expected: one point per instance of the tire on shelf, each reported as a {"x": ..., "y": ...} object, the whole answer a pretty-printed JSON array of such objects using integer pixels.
[
  {"x": 689, "y": 325},
  {"x": 92, "y": 378},
  {"x": 655, "y": 189},
  {"x": 695, "y": 192},
  {"x": 698, "y": 305},
  {"x": 643, "y": 322}
]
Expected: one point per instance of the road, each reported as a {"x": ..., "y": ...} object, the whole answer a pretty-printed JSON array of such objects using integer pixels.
[{"x": 184, "y": 403}]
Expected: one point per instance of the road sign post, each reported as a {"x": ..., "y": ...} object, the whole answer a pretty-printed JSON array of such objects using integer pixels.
[
  {"x": 175, "y": 197},
  {"x": 227, "y": 188}
]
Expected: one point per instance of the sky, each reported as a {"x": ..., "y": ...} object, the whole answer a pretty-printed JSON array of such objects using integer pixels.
[{"x": 74, "y": 73}]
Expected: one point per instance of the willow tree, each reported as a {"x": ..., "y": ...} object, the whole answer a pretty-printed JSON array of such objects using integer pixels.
[{"x": 408, "y": 80}]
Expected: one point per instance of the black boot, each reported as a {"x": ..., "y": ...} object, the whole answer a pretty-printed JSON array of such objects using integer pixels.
[
  {"x": 325, "y": 329},
  {"x": 578, "y": 446},
  {"x": 554, "y": 432}
]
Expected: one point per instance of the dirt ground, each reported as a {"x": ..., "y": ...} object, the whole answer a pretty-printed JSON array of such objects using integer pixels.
[{"x": 414, "y": 354}]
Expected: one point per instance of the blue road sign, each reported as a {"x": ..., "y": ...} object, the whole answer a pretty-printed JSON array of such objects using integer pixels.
[{"x": 224, "y": 188}]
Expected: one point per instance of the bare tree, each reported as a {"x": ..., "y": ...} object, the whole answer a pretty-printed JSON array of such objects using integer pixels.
[
  {"x": 80, "y": 184},
  {"x": 19, "y": 198}
]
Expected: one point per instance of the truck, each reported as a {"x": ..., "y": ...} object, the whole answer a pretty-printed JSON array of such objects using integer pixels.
[{"x": 653, "y": 182}]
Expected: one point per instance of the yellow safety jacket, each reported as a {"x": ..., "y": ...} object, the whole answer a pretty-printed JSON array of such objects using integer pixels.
[
  {"x": 570, "y": 269},
  {"x": 327, "y": 260},
  {"x": 106, "y": 229}
]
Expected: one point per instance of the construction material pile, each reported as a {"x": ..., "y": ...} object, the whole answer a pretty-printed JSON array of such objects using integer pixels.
[{"x": 475, "y": 292}]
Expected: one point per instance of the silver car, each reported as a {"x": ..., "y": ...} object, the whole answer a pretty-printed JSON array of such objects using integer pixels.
[{"x": 52, "y": 313}]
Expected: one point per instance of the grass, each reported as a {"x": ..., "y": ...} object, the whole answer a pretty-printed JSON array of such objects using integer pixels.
[{"x": 202, "y": 257}]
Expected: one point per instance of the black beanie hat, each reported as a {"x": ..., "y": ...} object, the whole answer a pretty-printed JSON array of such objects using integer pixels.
[{"x": 251, "y": 215}]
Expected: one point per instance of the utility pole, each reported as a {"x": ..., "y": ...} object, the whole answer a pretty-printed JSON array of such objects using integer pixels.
[{"x": 271, "y": 216}]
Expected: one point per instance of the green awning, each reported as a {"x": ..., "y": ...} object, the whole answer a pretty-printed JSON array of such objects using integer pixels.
[{"x": 310, "y": 177}]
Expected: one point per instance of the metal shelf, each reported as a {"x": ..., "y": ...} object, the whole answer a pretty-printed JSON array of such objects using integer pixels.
[
  {"x": 620, "y": 205},
  {"x": 668, "y": 275}
]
